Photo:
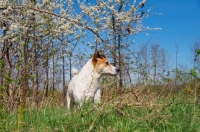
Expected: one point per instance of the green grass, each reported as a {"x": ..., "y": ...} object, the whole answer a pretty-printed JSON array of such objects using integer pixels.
[{"x": 166, "y": 114}]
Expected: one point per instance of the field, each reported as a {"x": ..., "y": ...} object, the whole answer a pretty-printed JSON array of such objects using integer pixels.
[
  {"x": 151, "y": 112},
  {"x": 157, "y": 88}
]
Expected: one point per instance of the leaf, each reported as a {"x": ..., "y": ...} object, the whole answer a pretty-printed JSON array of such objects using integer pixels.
[
  {"x": 1, "y": 63},
  {"x": 194, "y": 73},
  {"x": 188, "y": 88},
  {"x": 54, "y": 37},
  {"x": 2, "y": 87},
  {"x": 32, "y": 77},
  {"x": 43, "y": 16},
  {"x": 197, "y": 51}
]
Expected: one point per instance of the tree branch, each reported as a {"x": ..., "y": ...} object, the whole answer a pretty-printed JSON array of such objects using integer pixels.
[{"x": 56, "y": 15}]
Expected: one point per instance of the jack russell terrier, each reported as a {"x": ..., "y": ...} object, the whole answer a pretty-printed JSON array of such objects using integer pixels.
[{"x": 84, "y": 87}]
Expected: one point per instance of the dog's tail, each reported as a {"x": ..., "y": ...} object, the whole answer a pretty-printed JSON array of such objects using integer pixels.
[{"x": 74, "y": 71}]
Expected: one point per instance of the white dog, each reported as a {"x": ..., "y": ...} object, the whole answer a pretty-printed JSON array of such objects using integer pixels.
[{"x": 84, "y": 86}]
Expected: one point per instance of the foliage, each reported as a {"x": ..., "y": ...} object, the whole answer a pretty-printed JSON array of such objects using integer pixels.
[
  {"x": 194, "y": 73},
  {"x": 197, "y": 52}
]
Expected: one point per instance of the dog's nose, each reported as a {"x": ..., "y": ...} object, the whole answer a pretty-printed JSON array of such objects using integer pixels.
[{"x": 118, "y": 70}]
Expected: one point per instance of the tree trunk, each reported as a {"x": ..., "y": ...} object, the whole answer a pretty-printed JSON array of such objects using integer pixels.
[
  {"x": 119, "y": 48},
  {"x": 120, "y": 62},
  {"x": 47, "y": 74},
  {"x": 70, "y": 66},
  {"x": 35, "y": 68},
  {"x": 63, "y": 70},
  {"x": 114, "y": 49},
  {"x": 36, "y": 82},
  {"x": 53, "y": 87}
]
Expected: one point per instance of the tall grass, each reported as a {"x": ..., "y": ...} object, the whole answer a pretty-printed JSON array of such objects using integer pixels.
[{"x": 172, "y": 112}]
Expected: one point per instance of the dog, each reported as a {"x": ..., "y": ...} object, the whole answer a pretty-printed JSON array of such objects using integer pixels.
[{"x": 84, "y": 87}]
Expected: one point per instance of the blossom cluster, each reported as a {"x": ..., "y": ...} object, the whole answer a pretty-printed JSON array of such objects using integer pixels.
[
  {"x": 102, "y": 14},
  {"x": 3, "y": 3},
  {"x": 55, "y": 18},
  {"x": 16, "y": 19}
]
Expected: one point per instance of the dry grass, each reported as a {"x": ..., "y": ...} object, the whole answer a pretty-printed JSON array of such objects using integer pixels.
[{"x": 143, "y": 108}]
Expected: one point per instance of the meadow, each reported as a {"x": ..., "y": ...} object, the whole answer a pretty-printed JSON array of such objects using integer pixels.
[
  {"x": 42, "y": 40},
  {"x": 152, "y": 111}
]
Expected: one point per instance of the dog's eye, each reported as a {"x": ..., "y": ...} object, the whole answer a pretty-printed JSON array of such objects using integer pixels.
[{"x": 107, "y": 63}]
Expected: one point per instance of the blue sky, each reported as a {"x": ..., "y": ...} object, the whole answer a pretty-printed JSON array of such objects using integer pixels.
[{"x": 180, "y": 23}]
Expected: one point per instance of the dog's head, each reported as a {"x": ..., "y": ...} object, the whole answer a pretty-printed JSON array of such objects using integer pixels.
[{"x": 102, "y": 65}]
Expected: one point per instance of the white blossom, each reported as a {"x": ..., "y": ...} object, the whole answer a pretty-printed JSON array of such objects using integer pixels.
[
  {"x": 46, "y": 1},
  {"x": 65, "y": 27},
  {"x": 142, "y": 2},
  {"x": 3, "y": 3},
  {"x": 13, "y": 26}
]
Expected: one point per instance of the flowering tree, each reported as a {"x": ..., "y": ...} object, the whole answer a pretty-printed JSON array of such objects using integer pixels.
[
  {"x": 37, "y": 37},
  {"x": 28, "y": 31},
  {"x": 29, "y": 45},
  {"x": 116, "y": 22}
]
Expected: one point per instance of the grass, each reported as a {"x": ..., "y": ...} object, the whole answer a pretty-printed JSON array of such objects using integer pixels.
[{"x": 177, "y": 113}]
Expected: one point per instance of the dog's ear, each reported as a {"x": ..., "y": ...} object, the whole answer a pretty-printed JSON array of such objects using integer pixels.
[{"x": 95, "y": 56}]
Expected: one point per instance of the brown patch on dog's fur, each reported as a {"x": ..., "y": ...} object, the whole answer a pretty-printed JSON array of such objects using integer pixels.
[{"x": 96, "y": 56}]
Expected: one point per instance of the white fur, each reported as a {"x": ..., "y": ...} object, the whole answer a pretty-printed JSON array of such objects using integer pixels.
[{"x": 85, "y": 87}]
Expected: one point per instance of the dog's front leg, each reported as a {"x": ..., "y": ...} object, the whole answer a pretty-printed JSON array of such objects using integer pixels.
[
  {"x": 97, "y": 96},
  {"x": 69, "y": 102}
]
